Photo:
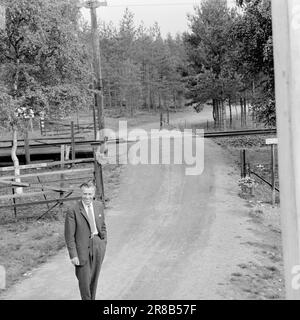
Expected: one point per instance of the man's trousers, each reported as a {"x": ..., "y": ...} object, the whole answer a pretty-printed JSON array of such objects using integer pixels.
[{"x": 88, "y": 274}]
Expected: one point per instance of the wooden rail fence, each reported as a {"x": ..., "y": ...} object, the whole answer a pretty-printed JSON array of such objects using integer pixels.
[{"x": 64, "y": 192}]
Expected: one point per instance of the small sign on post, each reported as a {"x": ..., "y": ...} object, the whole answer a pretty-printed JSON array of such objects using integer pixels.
[{"x": 271, "y": 141}]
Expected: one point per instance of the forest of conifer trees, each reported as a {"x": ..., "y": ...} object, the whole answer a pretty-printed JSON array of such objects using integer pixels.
[{"x": 225, "y": 58}]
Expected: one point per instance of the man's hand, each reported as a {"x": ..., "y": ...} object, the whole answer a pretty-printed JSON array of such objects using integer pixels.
[{"x": 75, "y": 261}]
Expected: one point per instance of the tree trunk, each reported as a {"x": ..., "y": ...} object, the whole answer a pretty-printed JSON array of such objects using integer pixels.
[
  {"x": 174, "y": 101},
  {"x": 110, "y": 98},
  {"x": 223, "y": 114},
  {"x": 131, "y": 106},
  {"x": 230, "y": 112},
  {"x": 182, "y": 101},
  {"x": 242, "y": 112},
  {"x": 115, "y": 99},
  {"x": 148, "y": 98},
  {"x": 219, "y": 113},
  {"x": 15, "y": 159},
  {"x": 152, "y": 102},
  {"x": 252, "y": 102},
  {"x": 31, "y": 124},
  {"x": 245, "y": 111},
  {"x": 214, "y": 111},
  {"x": 159, "y": 102},
  {"x": 16, "y": 79}
]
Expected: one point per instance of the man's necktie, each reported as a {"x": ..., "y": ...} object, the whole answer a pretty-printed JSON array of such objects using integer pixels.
[{"x": 92, "y": 221}]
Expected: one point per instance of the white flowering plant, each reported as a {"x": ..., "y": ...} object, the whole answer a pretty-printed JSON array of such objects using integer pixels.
[{"x": 247, "y": 182}]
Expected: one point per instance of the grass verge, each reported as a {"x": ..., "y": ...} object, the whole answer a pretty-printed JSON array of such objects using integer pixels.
[
  {"x": 25, "y": 243},
  {"x": 261, "y": 278}
]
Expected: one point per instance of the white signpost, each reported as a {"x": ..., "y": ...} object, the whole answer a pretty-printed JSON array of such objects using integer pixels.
[{"x": 272, "y": 141}]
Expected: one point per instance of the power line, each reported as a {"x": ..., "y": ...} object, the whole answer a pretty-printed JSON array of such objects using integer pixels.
[{"x": 153, "y": 4}]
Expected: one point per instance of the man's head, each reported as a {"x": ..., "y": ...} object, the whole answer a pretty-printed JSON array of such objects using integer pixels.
[{"x": 88, "y": 192}]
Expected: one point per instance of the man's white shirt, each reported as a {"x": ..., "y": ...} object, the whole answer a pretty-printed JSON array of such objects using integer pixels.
[{"x": 93, "y": 214}]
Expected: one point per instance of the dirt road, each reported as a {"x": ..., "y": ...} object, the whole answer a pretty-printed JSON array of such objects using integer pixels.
[{"x": 171, "y": 236}]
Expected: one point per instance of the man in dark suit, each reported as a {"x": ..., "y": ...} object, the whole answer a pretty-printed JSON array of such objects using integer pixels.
[{"x": 86, "y": 238}]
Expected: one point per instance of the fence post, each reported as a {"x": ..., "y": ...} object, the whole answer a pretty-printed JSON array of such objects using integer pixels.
[
  {"x": 42, "y": 127},
  {"x": 73, "y": 141},
  {"x": 14, "y": 202},
  {"x": 243, "y": 163},
  {"x": 95, "y": 121},
  {"x": 62, "y": 177},
  {"x": 27, "y": 148},
  {"x": 99, "y": 180},
  {"x": 78, "y": 127},
  {"x": 248, "y": 170},
  {"x": 67, "y": 153}
]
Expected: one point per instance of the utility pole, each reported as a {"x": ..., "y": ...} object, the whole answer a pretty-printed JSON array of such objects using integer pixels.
[
  {"x": 98, "y": 83},
  {"x": 286, "y": 35}
]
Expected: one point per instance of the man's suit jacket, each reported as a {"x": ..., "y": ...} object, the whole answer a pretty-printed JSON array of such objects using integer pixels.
[{"x": 78, "y": 232}]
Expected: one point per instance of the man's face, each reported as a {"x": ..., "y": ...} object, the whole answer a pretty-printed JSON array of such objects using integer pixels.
[{"x": 87, "y": 195}]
